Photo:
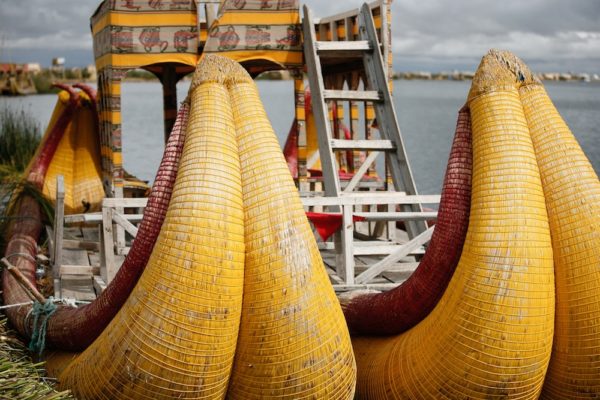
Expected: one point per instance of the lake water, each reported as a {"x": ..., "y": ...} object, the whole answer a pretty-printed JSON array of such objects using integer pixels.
[{"x": 426, "y": 111}]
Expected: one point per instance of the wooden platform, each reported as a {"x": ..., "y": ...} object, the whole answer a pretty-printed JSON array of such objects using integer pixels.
[
  {"x": 85, "y": 284},
  {"x": 76, "y": 282}
]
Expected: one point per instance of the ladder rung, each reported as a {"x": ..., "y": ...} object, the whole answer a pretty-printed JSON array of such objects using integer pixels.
[
  {"x": 397, "y": 216},
  {"x": 371, "y": 144},
  {"x": 358, "y": 95},
  {"x": 341, "y": 49}
]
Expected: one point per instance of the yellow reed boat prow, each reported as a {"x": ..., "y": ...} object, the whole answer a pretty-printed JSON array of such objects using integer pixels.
[
  {"x": 234, "y": 300},
  {"x": 490, "y": 336},
  {"x": 77, "y": 159}
]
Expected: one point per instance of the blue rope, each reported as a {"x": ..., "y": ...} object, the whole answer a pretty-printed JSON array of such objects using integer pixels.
[{"x": 41, "y": 313}]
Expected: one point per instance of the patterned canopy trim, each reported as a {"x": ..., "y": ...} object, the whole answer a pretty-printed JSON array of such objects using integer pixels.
[{"x": 146, "y": 40}]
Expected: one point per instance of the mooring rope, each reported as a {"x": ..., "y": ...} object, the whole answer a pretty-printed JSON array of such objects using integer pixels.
[{"x": 41, "y": 313}]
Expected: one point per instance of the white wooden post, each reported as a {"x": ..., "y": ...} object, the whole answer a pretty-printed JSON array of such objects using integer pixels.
[
  {"x": 108, "y": 272},
  {"x": 59, "y": 215}
]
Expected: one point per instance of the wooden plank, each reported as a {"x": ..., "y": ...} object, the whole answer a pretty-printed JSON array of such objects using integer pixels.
[
  {"x": 108, "y": 272},
  {"x": 129, "y": 202},
  {"x": 97, "y": 218},
  {"x": 398, "y": 267},
  {"x": 354, "y": 95},
  {"x": 347, "y": 250},
  {"x": 358, "y": 175},
  {"x": 57, "y": 288},
  {"x": 315, "y": 78},
  {"x": 99, "y": 285},
  {"x": 75, "y": 257},
  {"x": 397, "y": 216},
  {"x": 66, "y": 269},
  {"x": 369, "y": 198},
  {"x": 383, "y": 249},
  {"x": 78, "y": 287},
  {"x": 123, "y": 222},
  {"x": 59, "y": 215},
  {"x": 72, "y": 233},
  {"x": 84, "y": 218},
  {"x": 406, "y": 249},
  {"x": 81, "y": 244},
  {"x": 383, "y": 287},
  {"x": 372, "y": 144},
  {"x": 95, "y": 259},
  {"x": 51, "y": 238},
  {"x": 90, "y": 234},
  {"x": 356, "y": 45}
]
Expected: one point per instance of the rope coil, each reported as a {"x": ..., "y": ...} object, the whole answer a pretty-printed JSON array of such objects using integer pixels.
[{"x": 41, "y": 312}]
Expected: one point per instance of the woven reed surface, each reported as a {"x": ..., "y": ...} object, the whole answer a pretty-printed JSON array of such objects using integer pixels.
[
  {"x": 293, "y": 342},
  {"x": 62, "y": 115},
  {"x": 76, "y": 328},
  {"x": 403, "y": 307},
  {"x": 175, "y": 336},
  {"x": 490, "y": 336},
  {"x": 572, "y": 194},
  {"x": 77, "y": 159}
]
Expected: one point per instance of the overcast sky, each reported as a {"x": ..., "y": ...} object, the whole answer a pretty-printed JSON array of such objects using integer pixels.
[{"x": 433, "y": 35}]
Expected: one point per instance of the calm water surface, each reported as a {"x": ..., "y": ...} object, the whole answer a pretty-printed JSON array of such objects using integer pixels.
[{"x": 426, "y": 110}]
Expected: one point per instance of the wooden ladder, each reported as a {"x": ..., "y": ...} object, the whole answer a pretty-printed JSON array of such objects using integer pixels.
[{"x": 390, "y": 142}]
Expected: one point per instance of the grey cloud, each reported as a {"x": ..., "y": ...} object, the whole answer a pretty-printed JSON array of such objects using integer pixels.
[{"x": 427, "y": 34}]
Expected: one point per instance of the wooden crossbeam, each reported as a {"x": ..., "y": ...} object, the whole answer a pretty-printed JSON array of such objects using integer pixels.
[{"x": 402, "y": 252}]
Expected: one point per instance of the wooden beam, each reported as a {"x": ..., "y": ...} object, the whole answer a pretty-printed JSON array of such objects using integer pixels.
[
  {"x": 99, "y": 284},
  {"x": 122, "y": 221},
  {"x": 361, "y": 171},
  {"x": 133, "y": 202},
  {"x": 330, "y": 176},
  {"x": 169, "y": 86},
  {"x": 402, "y": 252},
  {"x": 373, "y": 286},
  {"x": 354, "y": 95},
  {"x": 362, "y": 144},
  {"x": 81, "y": 244},
  {"x": 109, "y": 270},
  {"x": 59, "y": 215},
  {"x": 397, "y": 216},
  {"x": 79, "y": 270},
  {"x": 25, "y": 283},
  {"x": 367, "y": 198},
  {"x": 355, "y": 45}
]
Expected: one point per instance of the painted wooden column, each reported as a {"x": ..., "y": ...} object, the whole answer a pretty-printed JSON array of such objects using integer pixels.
[
  {"x": 109, "y": 88},
  {"x": 169, "y": 79},
  {"x": 300, "y": 111}
]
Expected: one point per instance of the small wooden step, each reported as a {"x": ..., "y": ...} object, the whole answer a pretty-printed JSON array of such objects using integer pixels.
[
  {"x": 371, "y": 144},
  {"x": 343, "y": 50},
  {"x": 354, "y": 95}
]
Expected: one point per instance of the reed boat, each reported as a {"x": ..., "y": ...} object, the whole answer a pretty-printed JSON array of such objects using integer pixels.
[{"x": 221, "y": 286}]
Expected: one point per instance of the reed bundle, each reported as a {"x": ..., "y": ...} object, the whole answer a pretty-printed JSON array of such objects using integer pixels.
[
  {"x": 20, "y": 377},
  {"x": 293, "y": 342},
  {"x": 490, "y": 336},
  {"x": 234, "y": 226},
  {"x": 175, "y": 337},
  {"x": 77, "y": 159},
  {"x": 572, "y": 193}
]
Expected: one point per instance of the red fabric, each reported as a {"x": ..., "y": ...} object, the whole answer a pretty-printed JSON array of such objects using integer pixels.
[
  {"x": 327, "y": 224},
  {"x": 290, "y": 150}
]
